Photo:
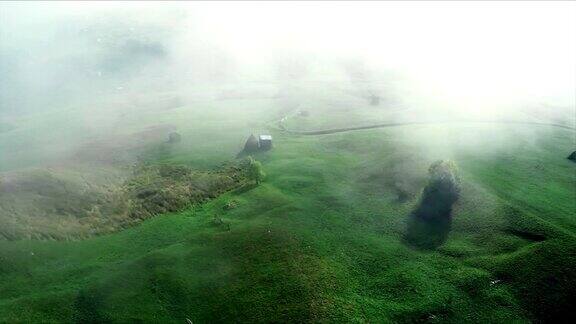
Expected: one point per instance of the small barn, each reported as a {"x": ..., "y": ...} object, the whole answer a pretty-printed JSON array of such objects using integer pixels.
[
  {"x": 251, "y": 145},
  {"x": 265, "y": 142}
]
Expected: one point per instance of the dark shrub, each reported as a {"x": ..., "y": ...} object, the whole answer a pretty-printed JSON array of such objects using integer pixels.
[
  {"x": 441, "y": 192},
  {"x": 430, "y": 223},
  {"x": 174, "y": 138}
]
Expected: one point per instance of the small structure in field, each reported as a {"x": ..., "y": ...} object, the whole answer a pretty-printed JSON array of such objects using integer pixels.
[
  {"x": 572, "y": 157},
  {"x": 374, "y": 100},
  {"x": 265, "y": 142},
  {"x": 251, "y": 145}
]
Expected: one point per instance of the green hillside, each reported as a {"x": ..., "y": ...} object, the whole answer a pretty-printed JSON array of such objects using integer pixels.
[
  {"x": 325, "y": 237},
  {"x": 199, "y": 162}
]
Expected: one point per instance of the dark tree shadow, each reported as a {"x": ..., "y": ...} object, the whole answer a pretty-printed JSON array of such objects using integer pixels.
[
  {"x": 88, "y": 307},
  {"x": 430, "y": 224},
  {"x": 243, "y": 154},
  {"x": 427, "y": 234}
]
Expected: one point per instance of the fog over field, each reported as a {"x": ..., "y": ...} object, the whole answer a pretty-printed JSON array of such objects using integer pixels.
[
  {"x": 442, "y": 58},
  {"x": 287, "y": 161}
]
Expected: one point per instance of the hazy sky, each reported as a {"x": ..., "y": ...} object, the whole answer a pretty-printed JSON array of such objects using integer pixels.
[
  {"x": 464, "y": 51},
  {"x": 103, "y": 63}
]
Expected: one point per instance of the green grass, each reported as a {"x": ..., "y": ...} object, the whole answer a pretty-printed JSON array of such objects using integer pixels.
[{"x": 323, "y": 238}]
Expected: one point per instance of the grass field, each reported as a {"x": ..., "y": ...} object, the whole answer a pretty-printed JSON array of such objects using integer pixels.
[{"x": 324, "y": 237}]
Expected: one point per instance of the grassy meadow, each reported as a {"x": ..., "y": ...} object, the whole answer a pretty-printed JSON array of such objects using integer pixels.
[{"x": 325, "y": 237}]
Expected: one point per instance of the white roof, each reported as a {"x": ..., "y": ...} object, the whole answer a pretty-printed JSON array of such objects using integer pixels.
[{"x": 266, "y": 137}]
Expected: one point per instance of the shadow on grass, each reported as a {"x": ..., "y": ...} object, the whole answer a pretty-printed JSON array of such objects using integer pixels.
[
  {"x": 427, "y": 233},
  {"x": 430, "y": 224},
  {"x": 88, "y": 307}
]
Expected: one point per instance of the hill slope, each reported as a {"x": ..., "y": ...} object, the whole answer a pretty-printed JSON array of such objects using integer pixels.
[{"x": 324, "y": 237}]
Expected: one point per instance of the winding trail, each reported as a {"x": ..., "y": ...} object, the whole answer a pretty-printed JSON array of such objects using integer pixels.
[{"x": 384, "y": 125}]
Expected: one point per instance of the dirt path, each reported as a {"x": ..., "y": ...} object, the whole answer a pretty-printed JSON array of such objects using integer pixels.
[{"x": 384, "y": 125}]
